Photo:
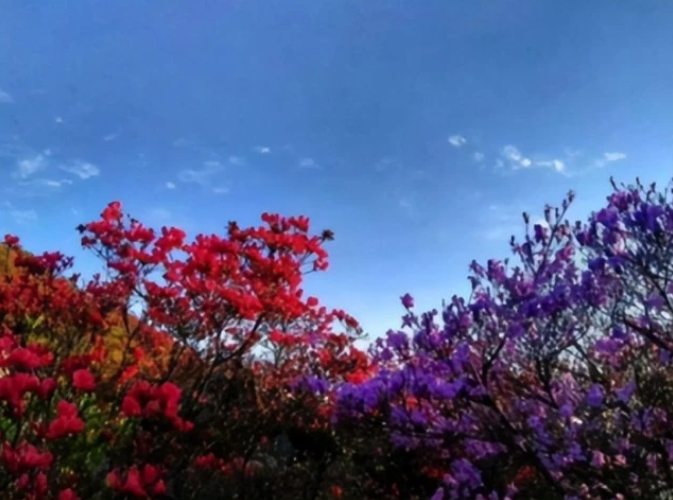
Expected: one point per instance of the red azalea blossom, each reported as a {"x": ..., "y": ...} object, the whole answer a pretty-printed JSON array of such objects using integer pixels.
[
  {"x": 83, "y": 380},
  {"x": 67, "y": 494},
  {"x": 67, "y": 421}
]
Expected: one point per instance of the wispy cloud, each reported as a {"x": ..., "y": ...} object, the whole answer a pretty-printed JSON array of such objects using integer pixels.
[
  {"x": 170, "y": 185},
  {"x": 308, "y": 163},
  {"x": 29, "y": 166},
  {"x": 203, "y": 177},
  {"x": 609, "y": 157},
  {"x": 512, "y": 153},
  {"x": 5, "y": 98},
  {"x": 110, "y": 137},
  {"x": 58, "y": 120},
  {"x": 615, "y": 156},
  {"x": 556, "y": 164},
  {"x": 457, "y": 140},
  {"x": 517, "y": 160},
  {"x": 23, "y": 216},
  {"x": 406, "y": 204},
  {"x": 572, "y": 153},
  {"x": 236, "y": 160},
  {"x": 82, "y": 169},
  {"x": 388, "y": 164},
  {"x": 263, "y": 150},
  {"x": 478, "y": 157},
  {"x": 51, "y": 183}
]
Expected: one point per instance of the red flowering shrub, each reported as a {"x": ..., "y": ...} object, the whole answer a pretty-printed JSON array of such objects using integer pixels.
[{"x": 176, "y": 375}]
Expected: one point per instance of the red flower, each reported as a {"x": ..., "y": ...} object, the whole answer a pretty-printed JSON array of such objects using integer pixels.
[
  {"x": 23, "y": 359},
  {"x": 83, "y": 380},
  {"x": 131, "y": 407},
  {"x": 113, "y": 212},
  {"x": 114, "y": 480},
  {"x": 67, "y": 421},
  {"x": 24, "y": 457},
  {"x": 137, "y": 483},
  {"x": 150, "y": 474},
  {"x": 159, "y": 488},
  {"x": 47, "y": 388},
  {"x": 11, "y": 240},
  {"x": 134, "y": 484},
  {"x": 13, "y": 389},
  {"x": 67, "y": 494},
  {"x": 207, "y": 462},
  {"x": 41, "y": 485}
]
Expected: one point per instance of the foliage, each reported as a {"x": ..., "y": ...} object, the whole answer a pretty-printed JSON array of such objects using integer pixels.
[
  {"x": 553, "y": 380},
  {"x": 199, "y": 369},
  {"x": 173, "y": 376}
]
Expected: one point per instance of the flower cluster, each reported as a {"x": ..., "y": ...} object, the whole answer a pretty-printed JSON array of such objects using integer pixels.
[
  {"x": 552, "y": 380},
  {"x": 102, "y": 399},
  {"x": 199, "y": 369}
]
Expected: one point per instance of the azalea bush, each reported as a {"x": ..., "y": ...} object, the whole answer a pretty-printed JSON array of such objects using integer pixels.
[
  {"x": 177, "y": 372},
  {"x": 199, "y": 369},
  {"x": 553, "y": 380}
]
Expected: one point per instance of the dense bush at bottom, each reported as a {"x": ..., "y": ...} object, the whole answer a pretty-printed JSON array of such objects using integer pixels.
[{"x": 200, "y": 370}]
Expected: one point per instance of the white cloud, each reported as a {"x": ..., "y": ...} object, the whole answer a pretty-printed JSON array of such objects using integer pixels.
[
  {"x": 263, "y": 150},
  {"x": 457, "y": 140},
  {"x": 110, "y": 137},
  {"x": 58, "y": 120},
  {"x": 572, "y": 153},
  {"x": 511, "y": 153},
  {"x": 236, "y": 160},
  {"x": 518, "y": 161},
  {"x": 614, "y": 156},
  {"x": 308, "y": 163},
  {"x": 82, "y": 169},
  {"x": 28, "y": 166},
  {"x": 609, "y": 157},
  {"x": 5, "y": 98},
  {"x": 52, "y": 183},
  {"x": 406, "y": 204},
  {"x": 203, "y": 177},
  {"x": 556, "y": 164},
  {"x": 478, "y": 157},
  {"x": 170, "y": 185},
  {"x": 23, "y": 216}
]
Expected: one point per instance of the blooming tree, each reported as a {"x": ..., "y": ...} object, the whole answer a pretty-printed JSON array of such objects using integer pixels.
[
  {"x": 552, "y": 380},
  {"x": 175, "y": 374}
]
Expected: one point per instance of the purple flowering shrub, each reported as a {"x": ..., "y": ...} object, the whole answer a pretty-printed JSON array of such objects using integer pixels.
[{"x": 553, "y": 380}]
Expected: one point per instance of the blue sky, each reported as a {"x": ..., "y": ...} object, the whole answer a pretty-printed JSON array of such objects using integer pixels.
[{"x": 417, "y": 131}]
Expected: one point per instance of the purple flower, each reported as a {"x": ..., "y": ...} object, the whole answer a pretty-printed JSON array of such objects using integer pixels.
[
  {"x": 609, "y": 217},
  {"x": 625, "y": 393},
  {"x": 398, "y": 340},
  {"x": 595, "y": 396},
  {"x": 407, "y": 301},
  {"x": 439, "y": 494}
]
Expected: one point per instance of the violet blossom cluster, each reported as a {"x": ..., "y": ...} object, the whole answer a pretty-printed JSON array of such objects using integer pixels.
[{"x": 553, "y": 379}]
